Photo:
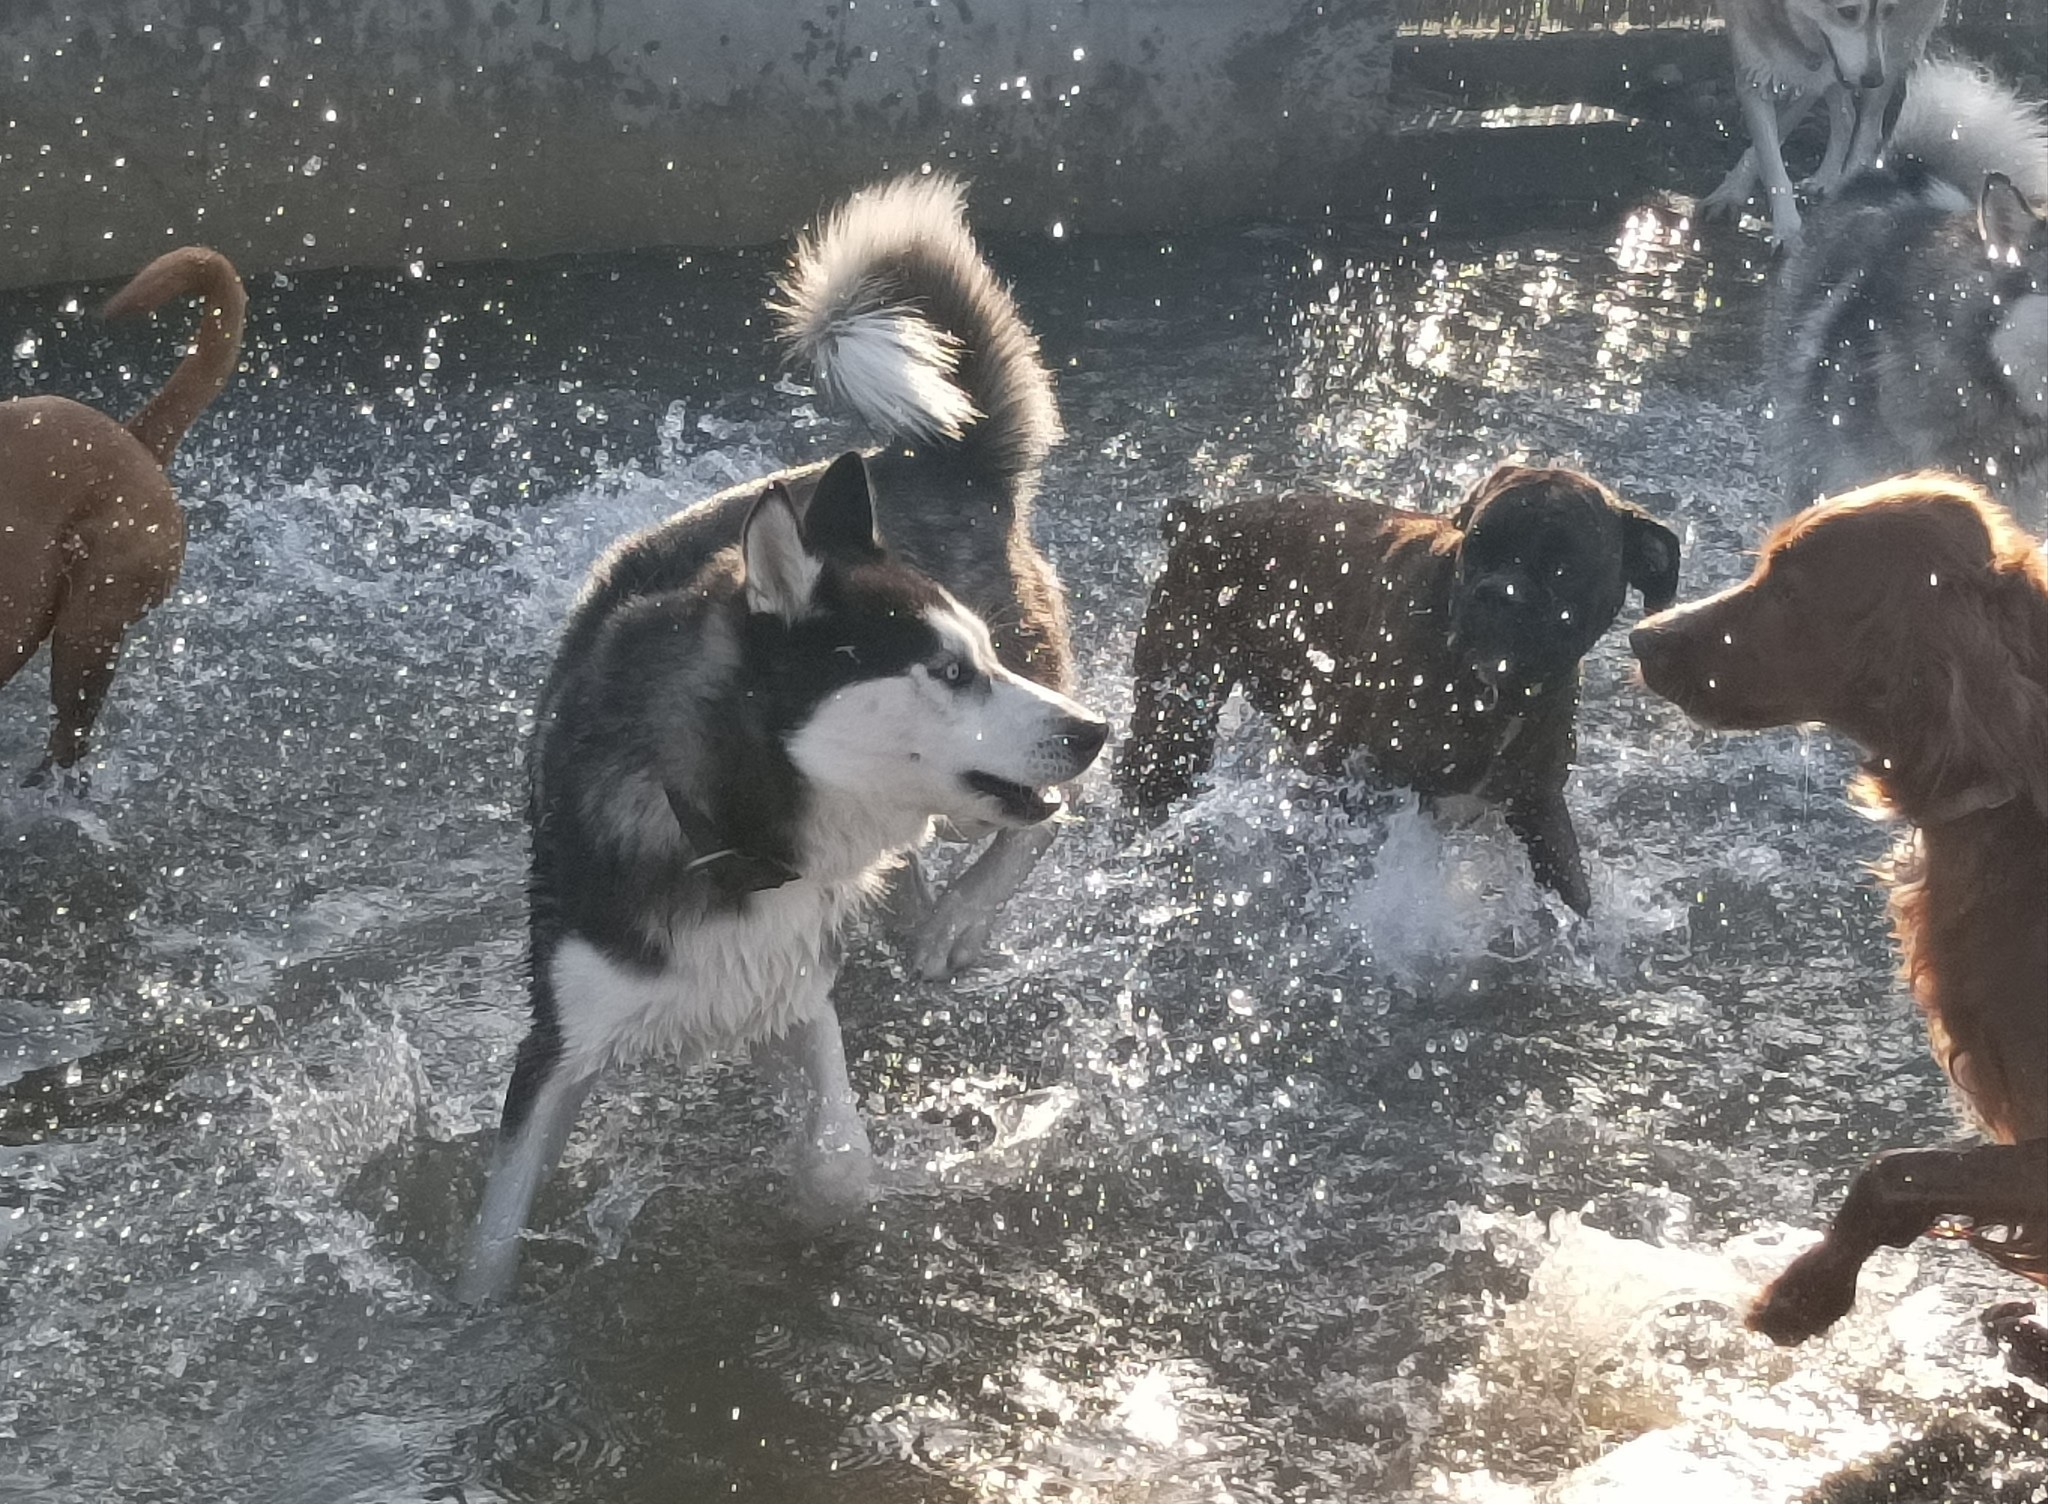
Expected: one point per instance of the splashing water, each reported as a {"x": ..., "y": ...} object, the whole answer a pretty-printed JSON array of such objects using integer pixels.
[{"x": 1301, "y": 1150}]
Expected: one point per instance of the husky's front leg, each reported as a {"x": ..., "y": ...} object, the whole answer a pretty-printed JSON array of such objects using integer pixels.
[
  {"x": 1726, "y": 201},
  {"x": 540, "y": 1110},
  {"x": 1769, "y": 124},
  {"x": 1842, "y": 128},
  {"x": 954, "y": 934},
  {"x": 835, "y": 1169},
  {"x": 1871, "y": 105}
]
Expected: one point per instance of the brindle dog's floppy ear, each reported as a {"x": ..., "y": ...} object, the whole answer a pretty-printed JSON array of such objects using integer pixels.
[
  {"x": 781, "y": 572},
  {"x": 1504, "y": 478},
  {"x": 841, "y": 517},
  {"x": 1649, "y": 555}
]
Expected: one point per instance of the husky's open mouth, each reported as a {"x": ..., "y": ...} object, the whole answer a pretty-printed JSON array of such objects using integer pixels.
[{"x": 1019, "y": 802}]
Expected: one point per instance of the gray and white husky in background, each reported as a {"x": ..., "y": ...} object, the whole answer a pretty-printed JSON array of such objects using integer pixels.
[
  {"x": 758, "y": 706},
  {"x": 1910, "y": 324},
  {"x": 1789, "y": 54}
]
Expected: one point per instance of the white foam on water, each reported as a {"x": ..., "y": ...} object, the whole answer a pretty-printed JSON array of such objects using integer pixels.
[{"x": 1625, "y": 1373}]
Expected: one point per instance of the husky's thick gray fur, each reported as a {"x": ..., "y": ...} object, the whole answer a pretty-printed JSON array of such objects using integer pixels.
[
  {"x": 1910, "y": 324},
  {"x": 759, "y": 705}
]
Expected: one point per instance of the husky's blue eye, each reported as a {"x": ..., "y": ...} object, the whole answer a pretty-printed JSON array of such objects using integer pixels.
[{"x": 955, "y": 672}]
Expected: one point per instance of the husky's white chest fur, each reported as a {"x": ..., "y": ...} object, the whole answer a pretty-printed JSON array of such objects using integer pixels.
[
  {"x": 730, "y": 979},
  {"x": 733, "y": 978}
]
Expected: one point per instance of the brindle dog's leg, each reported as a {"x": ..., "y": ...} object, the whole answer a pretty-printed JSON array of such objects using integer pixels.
[
  {"x": 1181, "y": 676},
  {"x": 1896, "y": 1198},
  {"x": 1544, "y": 823}
]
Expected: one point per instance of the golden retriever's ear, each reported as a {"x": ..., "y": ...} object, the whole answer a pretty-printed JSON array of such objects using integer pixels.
[
  {"x": 1980, "y": 702},
  {"x": 1504, "y": 479},
  {"x": 1649, "y": 555}
]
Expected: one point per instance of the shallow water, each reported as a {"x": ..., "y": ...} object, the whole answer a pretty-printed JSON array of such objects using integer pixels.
[{"x": 1301, "y": 1150}]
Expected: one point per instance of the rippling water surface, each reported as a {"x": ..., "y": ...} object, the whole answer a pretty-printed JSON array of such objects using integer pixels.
[{"x": 1301, "y": 1149}]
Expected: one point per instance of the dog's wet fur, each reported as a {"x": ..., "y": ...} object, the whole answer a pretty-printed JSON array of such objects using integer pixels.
[
  {"x": 91, "y": 534},
  {"x": 1910, "y": 324},
  {"x": 1444, "y": 648},
  {"x": 760, "y": 705},
  {"x": 1912, "y": 616}
]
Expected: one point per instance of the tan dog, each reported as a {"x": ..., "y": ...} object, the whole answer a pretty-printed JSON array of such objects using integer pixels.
[{"x": 94, "y": 535}]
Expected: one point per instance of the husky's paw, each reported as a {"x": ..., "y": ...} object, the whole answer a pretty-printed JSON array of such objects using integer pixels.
[
  {"x": 1786, "y": 226},
  {"x": 835, "y": 1179},
  {"x": 1724, "y": 203},
  {"x": 1812, "y": 190},
  {"x": 951, "y": 938}
]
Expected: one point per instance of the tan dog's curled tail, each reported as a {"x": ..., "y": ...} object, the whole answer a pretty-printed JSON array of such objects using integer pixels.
[{"x": 191, "y": 270}]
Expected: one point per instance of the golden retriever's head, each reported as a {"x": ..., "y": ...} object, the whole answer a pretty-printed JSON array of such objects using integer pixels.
[{"x": 1911, "y": 615}]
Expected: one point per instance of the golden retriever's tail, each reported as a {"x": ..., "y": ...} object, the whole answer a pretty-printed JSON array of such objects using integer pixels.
[{"x": 192, "y": 270}]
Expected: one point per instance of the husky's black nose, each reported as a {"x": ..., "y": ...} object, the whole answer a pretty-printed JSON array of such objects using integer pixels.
[{"x": 1083, "y": 737}]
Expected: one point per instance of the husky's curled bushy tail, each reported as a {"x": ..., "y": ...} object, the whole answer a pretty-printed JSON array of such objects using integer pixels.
[
  {"x": 891, "y": 306},
  {"x": 758, "y": 706},
  {"x": 1963, "y": 124},
  {"x": 1911, "y": 320}
]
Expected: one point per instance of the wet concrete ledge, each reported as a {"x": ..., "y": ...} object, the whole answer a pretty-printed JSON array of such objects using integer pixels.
[
  {"x": 330, "y": 132},
  {"x": 314, "y": 133}
]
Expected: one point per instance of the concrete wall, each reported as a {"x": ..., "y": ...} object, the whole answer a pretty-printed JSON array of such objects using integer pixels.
[{"x": 324, "y": 132}]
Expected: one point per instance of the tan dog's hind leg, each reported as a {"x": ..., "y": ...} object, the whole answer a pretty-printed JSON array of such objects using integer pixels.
[
  {"x": 121, "y": 576},
  {"x": 81, "y": 670},
  {"x": 25, "y": 618}
]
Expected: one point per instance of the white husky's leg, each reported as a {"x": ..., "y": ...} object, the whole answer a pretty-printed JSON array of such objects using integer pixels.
[
  {"x": 1766, "y": 122},
  {"x": 1842, "y": 117},
  {"x": 1871, "y": 106},
  {"x": 835, "y": 1169},
  {"x": 1769, "y": 123},
  {"x": 519, "y": 1163},
  {"x": 955, "y": 932},
  {"x": 1726, "y": 201}
]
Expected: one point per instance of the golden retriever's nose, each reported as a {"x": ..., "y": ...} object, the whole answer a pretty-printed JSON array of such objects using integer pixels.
[{"x": 1660, "y": 650}]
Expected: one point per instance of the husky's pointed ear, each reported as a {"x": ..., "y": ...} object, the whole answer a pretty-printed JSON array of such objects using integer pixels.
[
  {"x": 841, "y": 516},
  {"x": 2004, "y": 217},
  {"x": 780, "y": 571},
  {"x": 1649, "y": 555},
  {"x": 1504, "y": 479}
]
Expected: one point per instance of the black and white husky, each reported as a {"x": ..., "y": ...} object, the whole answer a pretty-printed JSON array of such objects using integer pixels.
[
  {"x": 1910, "y": 322},
  {"x": 758, "y": 706}
]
